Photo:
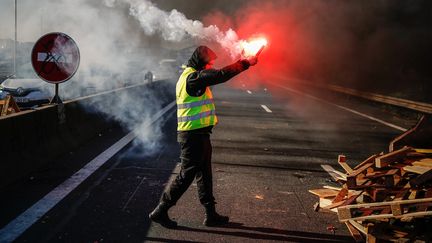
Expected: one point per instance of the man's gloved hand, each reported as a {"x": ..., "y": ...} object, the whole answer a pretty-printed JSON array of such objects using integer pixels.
[{"x": 252, "y": 60}]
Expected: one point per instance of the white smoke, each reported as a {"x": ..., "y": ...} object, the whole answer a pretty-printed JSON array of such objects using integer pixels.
[
  {"x": 114, "y": 48},
  {"x": 174, "y": 26},
  {"x": 114, "y": 53}
]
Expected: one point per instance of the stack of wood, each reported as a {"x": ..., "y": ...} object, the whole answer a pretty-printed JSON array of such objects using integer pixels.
[{"x": 387, "y": 197}]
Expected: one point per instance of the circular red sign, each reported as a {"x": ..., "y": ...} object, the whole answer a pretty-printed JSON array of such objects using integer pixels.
[{"x": 55, "y": 57}]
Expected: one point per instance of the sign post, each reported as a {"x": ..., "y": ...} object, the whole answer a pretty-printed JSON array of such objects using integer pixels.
[{"x": 55, "y": 58}]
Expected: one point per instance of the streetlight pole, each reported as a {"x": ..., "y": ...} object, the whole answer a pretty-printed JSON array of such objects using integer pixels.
[{"x": 15, "y": 42}]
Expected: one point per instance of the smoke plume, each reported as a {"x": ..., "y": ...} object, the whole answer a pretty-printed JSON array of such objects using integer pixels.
[
  {"x": 380, "y": 46},
  {"x": 174, "y": 26},
  {"x": 374, "y": 45},
  {"x": 114, "y": 53}
]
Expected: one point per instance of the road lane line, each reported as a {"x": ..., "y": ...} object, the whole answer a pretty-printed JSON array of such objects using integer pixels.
[
  {"x": 25, "y": 220},
  {"x": 344, "y": 108},
  {"x": 249, "y": 92},
  {"x": 266, "y": 108}
]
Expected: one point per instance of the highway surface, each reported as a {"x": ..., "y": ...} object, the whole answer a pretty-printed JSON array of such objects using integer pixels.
[{"x": 267, "y": 153}]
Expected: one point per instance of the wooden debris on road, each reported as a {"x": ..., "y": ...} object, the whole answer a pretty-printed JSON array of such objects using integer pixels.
[{"x": 387, "y": 197}]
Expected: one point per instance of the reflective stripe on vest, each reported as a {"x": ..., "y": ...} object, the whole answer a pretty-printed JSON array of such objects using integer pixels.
[
  {"x": 193, "y": 112},
  {"x": 195, "y": 104},
  {"x": 197, "y": 116}
]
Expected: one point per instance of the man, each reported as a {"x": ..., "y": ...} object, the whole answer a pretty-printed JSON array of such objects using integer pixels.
[{"x": 196, "y": 118}]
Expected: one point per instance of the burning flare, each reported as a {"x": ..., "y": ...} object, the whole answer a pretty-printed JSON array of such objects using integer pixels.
[{"x": 253, "y": 47}]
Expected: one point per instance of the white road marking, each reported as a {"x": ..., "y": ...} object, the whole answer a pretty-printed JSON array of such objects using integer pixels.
[
  {"x": 249, "y": 92},
  {"x": 344, "y": 108},
  {"x": 21, "y": 223},
  {"x": 266, "y": 108}
]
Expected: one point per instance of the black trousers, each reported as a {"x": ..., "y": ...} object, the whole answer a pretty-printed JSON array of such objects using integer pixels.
[{"x": 196, "y": 152}]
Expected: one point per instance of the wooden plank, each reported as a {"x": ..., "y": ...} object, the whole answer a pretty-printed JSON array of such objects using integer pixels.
[
  {"x": 346, "y": 212},
  {"x": 392, "y": 157},
  {"x": 5, "y": 106},
  {"x": 377, "y": 204},
  {"x": 396, "y": 209},
  {"x": 333, "y": 188},
  {"x": 427, "y": 162},
  {"x": 401, "y": 139},
  {"x": 367, "y": 161},
  {"x": 344, "y": 217},
  {"x": 412, "y": 195},
  {"x": 389, "y": 177},
  {"x": 322, "y": 192},
  {"x": 348, "y": 201},
  {"x": 341, "y": 195},
  {"x": 13, "y": 107},
  {"x": 343, "y": 164},
  {"x": 416, "y": 169},
  {"x": 325, "y": 202},
  {"x": 354, "y": 176},
  {"x": 355, "y": 233},
  {"x": 358, "y": 226},
  {"x": 8, "y": 106},
  {"x": 423, "y": 151},
  {"x": 335, "y": 174}
]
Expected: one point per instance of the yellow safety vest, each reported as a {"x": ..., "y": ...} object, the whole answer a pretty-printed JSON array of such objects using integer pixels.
[{"x": 193, "y": 112}]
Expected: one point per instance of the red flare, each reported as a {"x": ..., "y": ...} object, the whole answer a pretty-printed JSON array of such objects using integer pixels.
[{"x": 253, "y": 47}]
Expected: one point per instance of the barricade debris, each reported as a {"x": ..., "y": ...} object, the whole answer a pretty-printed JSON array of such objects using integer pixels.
[
  {"x": 387, "y": 197},
  {"x": 8, "y": 106}
]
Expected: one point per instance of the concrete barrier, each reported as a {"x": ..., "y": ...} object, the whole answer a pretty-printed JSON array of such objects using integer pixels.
[
  {"x": 31, "y": 139},
  {"x": 418, "y": 106},
  {"x": 408, "y": 104}
]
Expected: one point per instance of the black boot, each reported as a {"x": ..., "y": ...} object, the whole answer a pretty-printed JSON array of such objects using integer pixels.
[
  {"x": 212, "y": 218},
  {"x": 160, "y": 216}
]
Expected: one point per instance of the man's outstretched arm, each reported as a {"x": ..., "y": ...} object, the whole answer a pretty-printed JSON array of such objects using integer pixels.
[{"x": 198, "y": 81}]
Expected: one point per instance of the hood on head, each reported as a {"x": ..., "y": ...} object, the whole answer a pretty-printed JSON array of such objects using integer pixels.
[{"x": 201, "y": 56}]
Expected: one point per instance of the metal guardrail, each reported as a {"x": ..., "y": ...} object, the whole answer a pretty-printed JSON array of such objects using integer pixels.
[{"x": 409, "y": 104}]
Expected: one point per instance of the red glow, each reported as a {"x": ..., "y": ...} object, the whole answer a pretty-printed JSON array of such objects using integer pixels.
[{"x": 288, "y": 51}]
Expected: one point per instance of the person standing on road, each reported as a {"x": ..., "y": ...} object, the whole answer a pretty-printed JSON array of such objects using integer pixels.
[{"x": 196, "y": 118}]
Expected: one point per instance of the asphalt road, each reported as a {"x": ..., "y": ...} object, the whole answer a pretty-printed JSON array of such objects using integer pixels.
[{"x": 267, "y": 153}]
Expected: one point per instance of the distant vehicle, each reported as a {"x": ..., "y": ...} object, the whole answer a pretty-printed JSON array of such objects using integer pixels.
[
  {"x": 30, "y": 91},
  {"x": 26, "y": 92},
  {"x": 27, "y": 89}
]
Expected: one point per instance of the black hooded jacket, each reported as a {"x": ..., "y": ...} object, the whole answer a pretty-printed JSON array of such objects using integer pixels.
[{"x": 198, "y": 81}]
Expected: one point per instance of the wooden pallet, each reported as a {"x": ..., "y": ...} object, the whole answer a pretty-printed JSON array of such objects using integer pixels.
[
  {"x": 382, "y": 190},
  {"x": 385, "y": 210},
  {"x": 392, "y": 157}
]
